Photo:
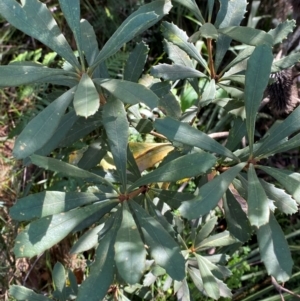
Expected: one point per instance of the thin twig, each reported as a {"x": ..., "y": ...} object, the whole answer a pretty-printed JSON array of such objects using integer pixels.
[{"x": 281, "y": 289}]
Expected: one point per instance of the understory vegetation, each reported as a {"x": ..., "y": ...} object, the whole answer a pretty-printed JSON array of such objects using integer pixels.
[{"x": 149, "y": 150}]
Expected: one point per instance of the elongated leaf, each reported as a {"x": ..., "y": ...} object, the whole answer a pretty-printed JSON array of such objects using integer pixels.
[
  {"x": 208, "y": 196},
  {"x": 230, "y": 13},
  {"x": 146, "y": 16},
  {"x": 209, "y": 93},
  {"x": 205, "y": 230},
  {"x": 117, "y": 130},
  {"x": 53, "y": 202},
  {"x": 135, "y": 63},
  {"x": 183, "y": 167},
  {"x": 183, "y": 293},
  {"x": 71, "y": 11},
  {"x": 129, "y": 249},
  {"x": 41, "y": 26},
  {"x": 86, "y": 98},
  {"x": 257, "y": 77},
  {"x": 286, "y": 62},
  {"x": 17, "y": 74},
  {"x": 193, "y": 7},
  {"x": 172, "y": 198},
  {"x": 236, "y": 133},
  {"x": 210, "y": 284},
  {"x": 247, "y": 35},
  {"x": 41, "y": 128},
  {"x": 258, "y": 203},
  {"x": 283, "y": 201},
  {"x": 22, "y": 293},
  {"x": 237, "y": 221},
  {"x": 44, "y": 233},
  {"x": 129, "y": 92},
  {"x": 218, "y": 240},
  {"x": 288, "y": 179},
  {"x": 174, "y": 72},
  {"x": 59, "y": 279},
  {"x": 178, "y": 37},
  {"x": 132, "y": 164},
  {"x": 164, "y": 250},
  {"x": 274, "y": 250},
  {"x": 67, "y": 169},
  {"x": 182, "y": 132},
  {"x": 170, "y": 105},
  {"x": 281, "y": 31},
  {"x": 101, "y": 275}
]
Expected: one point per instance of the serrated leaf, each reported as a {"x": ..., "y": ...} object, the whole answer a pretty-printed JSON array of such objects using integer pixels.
[
  {"x": 288, "y": 179},
  {"x": 130, "y": 253},
  {"x": 184, "y": 167},
  {"x": 258, "y": 202},
  {"x": 86, "y": 99},
  {"x": 53, "y": 202},
  {"x": 41, "y": 128},
  {"x": 129, "y": 92},
  {"x": 117, "y": 130},
  {"x": 22, "y": 293},
  {"x": 281, "y": 31},
  {"x": 59, "y": 279},
  {"x": 208, "y": 197},
  {"x": 67, "y": 169},
  {"x": 164, "y": 250},
  {"x": 247, "y": 35},
  {"x": 178, "y": 37},
  {"x": 41, "y": 26},
  {"x": 44, "y": 233},
  {"x": 210, "y": 284},
  {"x": 193, "y": 7},
  {"x": 205, "y": 230},
  {"x": 175, "y": 72},
  {"x": 217, "y": 240},
  {"x": 182, "y": 132},
  {"x": 282, "y": 200},
  {"x": 135, "y": 63},
  {"x": 102, "y": 271},
  {"x": 20, "y": 74},
  {"x": 257, "y": 78},
  {"x": 237, "y": 221},
  {"x": 146, "y": 16},
  {"x": 274, "y": 250},
  {"x": 285, "y": 62},
  {"x": 230, "y": 13}
]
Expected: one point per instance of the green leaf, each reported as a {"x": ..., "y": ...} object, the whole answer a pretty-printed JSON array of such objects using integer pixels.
[
  {"x": 258, "y": 202},
  {"x": 170, "y": 105},
  {"x": 183, "y": 293},
  {"x": 210, "y": 284},
  {"x": 146, "y": 16},
  {"x": 288, "y": 179},
  {"x": 129, "y": 92},
  {"x": 20, "y": 74},
  {"x": 164, "y": 250},
  {"x": 130, "y": 253},
  {"x": 274, "y": 250},
  {"x": 89, "y": 41},
  {"x": 208, "y": 31},
  {"x": 102, "y": 271},
  {"x": 71, "y": 11},
  {"x": 247, "y": 35},
  {"x": 281, "y": 31},
  {"x": 44, "y": 233},
  {"x": 172, "y": 198},
  {"x": 183, "y": 167},
  {"x": 237, "y": 220},
  {"x": 205, "y": 230},
  {"x": 208, "y": 196},
  {"x": 175, "y": 72},
  {"x": 230, "y": 13},
  {"x": 182, "y": 132},
  {"x": 41, "y": 26},
  {"x": 53, "y": 202},
  {"x": 117, "y": 130},
  {"x": 285, "y": 62},
  {"x": 22, "y": 293},
  {"x": 41, "y": 128},
  {"x": 86, "y": 99},
  {"x": 67, "y": 169},
  {"x": 281, "y": 199},
  {"x": 236, "y": 133},
  {"x": 218, "y": 240},
  {"x": 178, "y": 37},
  {"x": 135, "y": 63},
  {"x": 257, "y": 78},
  {"x": 59, "y": 279},
  {"x": 193, "y": 7},
  {"x": 209, "y": 93}
]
